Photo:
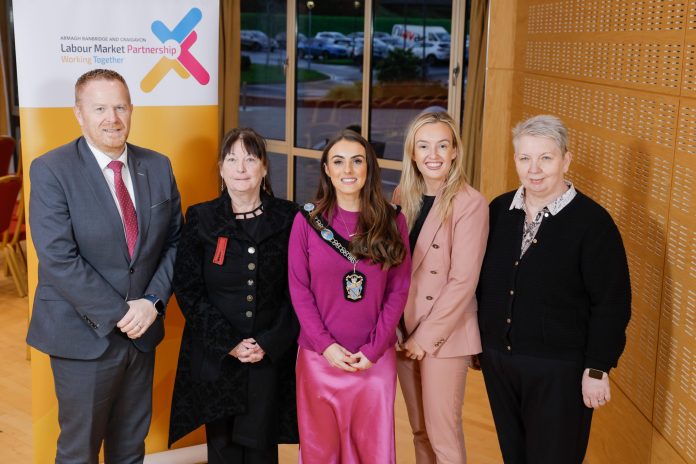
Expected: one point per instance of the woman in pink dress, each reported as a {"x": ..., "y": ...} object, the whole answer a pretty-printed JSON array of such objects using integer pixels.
[{"x": 349, "y": 274}]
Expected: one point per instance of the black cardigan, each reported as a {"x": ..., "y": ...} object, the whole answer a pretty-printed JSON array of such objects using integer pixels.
[
  {"x": 568, "y": 297},
  {"x": 246, "y": 296}
]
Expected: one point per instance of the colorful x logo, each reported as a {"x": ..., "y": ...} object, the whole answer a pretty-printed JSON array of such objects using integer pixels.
[{"x": 186, "y": 64}]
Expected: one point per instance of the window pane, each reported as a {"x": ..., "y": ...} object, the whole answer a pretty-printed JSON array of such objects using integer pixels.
[
  {"x": 278, "y": 169},
  {"x": 329, "y": 74},
  {"x": 306, "y": 179},
  {"x": 414, "y": 75},
  {"x": 262, "y": 82},
  {"x": 390, "y": 179}
]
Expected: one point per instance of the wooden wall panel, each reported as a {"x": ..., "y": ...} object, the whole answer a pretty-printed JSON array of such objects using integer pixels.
[
  {"x": 662, "y": 452},
  {"x": 622, "y": 75},
  {"x": 631, "y": 434}
]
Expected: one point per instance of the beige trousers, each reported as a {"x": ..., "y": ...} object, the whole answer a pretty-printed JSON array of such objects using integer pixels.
[{"x": 434, "y": 392}]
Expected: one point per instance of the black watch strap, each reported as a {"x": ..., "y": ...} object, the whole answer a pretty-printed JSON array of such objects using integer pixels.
[{"x": 159, "y": 305}]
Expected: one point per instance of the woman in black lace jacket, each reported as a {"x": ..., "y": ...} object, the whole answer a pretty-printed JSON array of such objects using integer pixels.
[{"x": 236, "y": 365}]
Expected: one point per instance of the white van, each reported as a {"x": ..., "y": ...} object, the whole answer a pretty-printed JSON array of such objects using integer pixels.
[{"x": 412, "y": 34}]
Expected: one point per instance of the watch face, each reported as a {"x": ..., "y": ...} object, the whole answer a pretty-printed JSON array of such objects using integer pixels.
[{"x": 596, "y": 374}]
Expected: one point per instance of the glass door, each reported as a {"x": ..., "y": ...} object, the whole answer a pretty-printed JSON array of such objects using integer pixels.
[{"x": 311, "y": 68}]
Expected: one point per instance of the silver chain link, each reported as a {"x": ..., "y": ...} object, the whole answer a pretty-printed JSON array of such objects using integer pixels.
[{"x": 347, "y": 254}]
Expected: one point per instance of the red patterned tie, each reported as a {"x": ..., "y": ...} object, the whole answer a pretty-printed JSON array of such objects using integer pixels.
[{"x": 130, "y": 219}]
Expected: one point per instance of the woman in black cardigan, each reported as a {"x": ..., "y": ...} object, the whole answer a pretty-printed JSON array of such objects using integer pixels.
[
  {"x": 236, "y": 364},
  {"x": 554, "y": 302}
]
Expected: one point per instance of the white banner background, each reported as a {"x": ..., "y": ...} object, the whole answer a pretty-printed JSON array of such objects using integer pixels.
[{"x": 55, "y": 51}]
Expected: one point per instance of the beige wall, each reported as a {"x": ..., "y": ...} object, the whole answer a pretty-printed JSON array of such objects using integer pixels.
[{"x": 622, "y": 75}]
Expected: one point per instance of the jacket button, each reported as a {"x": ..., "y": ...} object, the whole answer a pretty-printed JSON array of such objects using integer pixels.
[
  {"x": 436, "y": 246},
  {"x": 534, "y": 241},
  {"x": 433, "y": 272},
  {"x": 251, "y": 266},
  {"x": 517, "y": 263},
  {"x": 250, "y": 282},
  {"x": 249, "y": 314},
  {"x": 512, "y": 292},
  {"x": 250, "y": 298},
  {"x": 251, "y": 250},
  {"x": 509, "y": 348},
  {"x": 428, "y": 297},
  {"x": 546, "y": 214},
  {"x": 508, "y": 320},
  {"x": 131, "y": 270}
]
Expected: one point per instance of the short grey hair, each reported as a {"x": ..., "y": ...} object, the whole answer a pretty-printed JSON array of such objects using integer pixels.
[{"x": 543, "y": 125}]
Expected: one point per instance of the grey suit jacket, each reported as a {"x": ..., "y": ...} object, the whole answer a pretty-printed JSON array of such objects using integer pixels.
[{"x": 85, "y": 273}]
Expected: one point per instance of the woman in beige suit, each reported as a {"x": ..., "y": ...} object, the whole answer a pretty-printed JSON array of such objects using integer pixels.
[{"x": 448, "y": 224}]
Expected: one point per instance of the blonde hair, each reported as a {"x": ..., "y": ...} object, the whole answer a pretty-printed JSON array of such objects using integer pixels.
[{"x": 412, "y": 185}]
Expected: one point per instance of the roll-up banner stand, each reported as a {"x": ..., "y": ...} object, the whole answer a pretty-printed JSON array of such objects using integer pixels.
[{"x": 167, "y": 50}]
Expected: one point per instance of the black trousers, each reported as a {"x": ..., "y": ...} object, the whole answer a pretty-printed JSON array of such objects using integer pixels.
[
  {"x": 222, "y": 450},
  {"x": 537, "y": 408}
]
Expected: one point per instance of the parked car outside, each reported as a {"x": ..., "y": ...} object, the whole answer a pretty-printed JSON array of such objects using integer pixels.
[
  {"x": 329, "y": 35},
  {"x": 256, "y": 40},
  {"x": 377, "y": 35},
  {"x": 322, "y": 49},
  {"x": 282, "y": 40},
  {"x": 380, "y": 50},
  {"x": 432, "y": 52}
]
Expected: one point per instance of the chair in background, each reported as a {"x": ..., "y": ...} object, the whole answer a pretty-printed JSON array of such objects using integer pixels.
[
  {"x": 10, "y": 187},
  {"x": 7, "y": 146}
]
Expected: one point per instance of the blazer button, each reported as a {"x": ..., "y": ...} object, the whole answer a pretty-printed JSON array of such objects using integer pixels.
[
  {"x": 433, "y": 272},
  {"x": 250, "y": 298},
  {"x": 512, "y": 292},
  {"x": 428, "y": 297},
  {"x": 131, "y": 270},
  {"x": 436, "y": 246},
  {"x": 508, "y": 320},
  {"x": 509, "y": 348},
  {"x": 251, "y": 250},
  {"x": 251, "y": 266},
  {"x": 250, "y": 282},
  {"x": 534, "y": 241},
  {"x": 249, "y": 314},
  {"x": 517, "y": 263}
]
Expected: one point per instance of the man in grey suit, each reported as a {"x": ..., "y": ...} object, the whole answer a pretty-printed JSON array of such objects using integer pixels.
[{"x": 105, "y": 219}]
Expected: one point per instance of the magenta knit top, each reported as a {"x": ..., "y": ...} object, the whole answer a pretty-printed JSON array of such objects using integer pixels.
[{"x": 315, "y": 274}]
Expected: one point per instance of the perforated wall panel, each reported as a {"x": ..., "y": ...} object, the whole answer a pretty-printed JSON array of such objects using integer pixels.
[{"x": 622, "y": 75}]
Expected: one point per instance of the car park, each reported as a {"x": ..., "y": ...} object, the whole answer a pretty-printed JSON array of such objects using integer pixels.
[
  {"x": 282, "y": 40},
  {"x": 256, "y": 40},
  {"x": 323, "y": 49},
  {"x": 329, "y": 35},
  {"x": 432, "y": 52},
  {"x": 380, "y": 50}
]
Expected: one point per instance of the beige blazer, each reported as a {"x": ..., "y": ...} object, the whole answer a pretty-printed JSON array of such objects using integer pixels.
[{"x": 441, "y": 308}]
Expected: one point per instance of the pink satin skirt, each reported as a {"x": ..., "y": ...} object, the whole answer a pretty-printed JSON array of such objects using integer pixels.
[{"x": 345, "y": 417}]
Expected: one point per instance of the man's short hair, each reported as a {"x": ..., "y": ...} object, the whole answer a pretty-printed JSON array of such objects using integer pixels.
[{"x": 95, "y": 75}]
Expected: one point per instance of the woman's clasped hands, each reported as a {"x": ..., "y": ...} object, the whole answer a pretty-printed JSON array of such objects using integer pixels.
[
  {"x": 248, "y": 351},
  {"x": 340, "y": 358}
]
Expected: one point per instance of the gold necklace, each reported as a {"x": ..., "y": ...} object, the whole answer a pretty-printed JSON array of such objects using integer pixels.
[{"x": 340, "y": 216}]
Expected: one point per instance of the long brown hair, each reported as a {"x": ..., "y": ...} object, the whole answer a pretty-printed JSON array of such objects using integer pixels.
[
  {"x": 254, "y": 144},
  {"x": 378, "y": 236}
]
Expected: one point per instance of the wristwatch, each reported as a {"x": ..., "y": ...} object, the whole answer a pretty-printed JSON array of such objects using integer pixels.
[
  {"x": 159, "y": 305},
  {"x": 596, "y": 373}
]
